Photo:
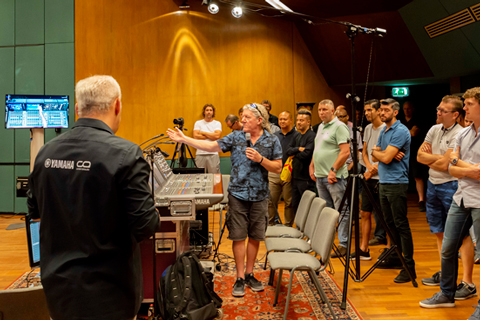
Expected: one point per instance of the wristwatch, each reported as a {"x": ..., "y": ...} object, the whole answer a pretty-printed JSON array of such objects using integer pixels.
[
  {"x": 333, "y": 169},
  {"x": 454, "y": 161}
]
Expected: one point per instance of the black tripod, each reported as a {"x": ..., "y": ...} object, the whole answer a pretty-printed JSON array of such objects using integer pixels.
[
  {"x": 352, "y": 193},
  {"x": 215, "y": 256},
  {"x": 182, "y": 156}
]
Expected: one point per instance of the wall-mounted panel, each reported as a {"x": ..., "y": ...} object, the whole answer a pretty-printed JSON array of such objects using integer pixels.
[
  {"x": 7, "y": 25},
  {"x": 59, "y": 21},
  {"x": 29, "y": 79},
  {"x": 20, "y": 202},
  {"x": 60, "y": 77},
  {"x": 7, "y": 185},
  {"x": 7, "y": 86},
  {"x": 29, "y": 22}
]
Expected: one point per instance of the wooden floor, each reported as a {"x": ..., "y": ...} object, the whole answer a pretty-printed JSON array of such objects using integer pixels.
[{"x": 378, "y": 297}]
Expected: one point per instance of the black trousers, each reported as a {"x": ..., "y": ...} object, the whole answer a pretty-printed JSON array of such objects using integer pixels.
[{"x": 299, "y": 186}]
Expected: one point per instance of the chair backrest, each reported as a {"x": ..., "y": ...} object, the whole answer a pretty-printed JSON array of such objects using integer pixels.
[
  {"x": 26, "y": 304},
  {"x": 315, "y": 210},
  {"x": 225, "y": 183},
  {"x": 324, "y": 234},
  {"x": 303, "y": 209}
]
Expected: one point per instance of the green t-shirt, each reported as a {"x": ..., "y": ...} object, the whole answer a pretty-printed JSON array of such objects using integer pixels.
[{"x": 329, "y": 137}]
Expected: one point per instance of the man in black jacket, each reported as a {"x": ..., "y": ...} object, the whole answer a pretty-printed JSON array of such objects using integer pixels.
[
  {"x": 302, "y": 150},
  {"x": 90, "y": 190}
]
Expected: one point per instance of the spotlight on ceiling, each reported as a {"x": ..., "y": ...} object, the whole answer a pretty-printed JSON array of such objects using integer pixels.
[
  {"x": 213, "y": 8},
  {"x": 184, "y": 5},
  {"x": 237, "y": 12}
]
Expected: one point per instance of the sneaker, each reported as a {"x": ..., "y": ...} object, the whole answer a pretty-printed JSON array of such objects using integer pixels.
[
  {"x": 364, "y": 255},
  {"x": 477, "y": 258},
  {"x": 421, "y": 206},
  {"x": 342, "y": 251},
  {"x": 404, "y": 277},
  {"x": 439, "y": 300},
  {"x": 476, "y": 314},
  {"x": 465, "y": 291},
  {"x": 253, "y": 283},
  {"x": 239, "y": 288},
  {"x": 433, "y": 281},
  {"x": 390, "y": 263},
  {"x": 377, "y": 242}
]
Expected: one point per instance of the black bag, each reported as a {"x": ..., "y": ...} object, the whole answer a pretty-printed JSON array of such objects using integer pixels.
[{"x": 185, "y": 292}]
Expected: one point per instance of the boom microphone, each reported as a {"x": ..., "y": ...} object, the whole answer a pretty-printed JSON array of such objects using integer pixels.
[{"x": 248, "y": 136}]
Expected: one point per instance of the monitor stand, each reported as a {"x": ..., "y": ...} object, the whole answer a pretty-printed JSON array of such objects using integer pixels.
[{"x": 36, "y": 142}]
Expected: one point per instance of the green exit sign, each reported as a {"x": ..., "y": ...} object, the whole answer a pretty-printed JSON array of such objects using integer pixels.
[{"x": 400, "y": 92}]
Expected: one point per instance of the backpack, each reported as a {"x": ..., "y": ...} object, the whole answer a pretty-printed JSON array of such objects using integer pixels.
[{"x": 185, "y": 292}]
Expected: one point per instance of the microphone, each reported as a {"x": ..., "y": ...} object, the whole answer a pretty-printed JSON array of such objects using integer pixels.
[
  {"x": 248, "y": 136},
  {"x": 157, "y": 136}
]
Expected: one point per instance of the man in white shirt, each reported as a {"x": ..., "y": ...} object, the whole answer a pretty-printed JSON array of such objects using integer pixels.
[
  {"x": 372, "y": 131},
  {"x": 208, "y": 130},
  {"x": 435, "y": 152}
]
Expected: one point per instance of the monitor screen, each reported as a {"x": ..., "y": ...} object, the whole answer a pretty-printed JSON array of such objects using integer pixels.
[
  {"x": 28, "y": 111},
  {"x": 33, "y": 237}
]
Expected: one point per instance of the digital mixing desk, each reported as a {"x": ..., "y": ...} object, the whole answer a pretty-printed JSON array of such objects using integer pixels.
[{"x": 180, "y": 195}]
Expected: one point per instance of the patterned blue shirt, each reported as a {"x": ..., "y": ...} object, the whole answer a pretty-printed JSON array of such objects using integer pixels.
[
  {"x": 249, "y": 180},
  {"x": 398, "y": 136}
]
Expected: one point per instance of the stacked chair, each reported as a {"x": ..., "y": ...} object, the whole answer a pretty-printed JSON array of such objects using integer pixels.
[
  {"x": 297, "y": 258},
  {"x": 300, "y": 245}
]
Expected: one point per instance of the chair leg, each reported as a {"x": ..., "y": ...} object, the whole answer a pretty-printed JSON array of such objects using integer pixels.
[
  {"x": 322, "y": 293},
  {"x": 288, "y": 294},
  {"x": 277, "y": 289},
  {"x": 266, "y": 260},
  {"x": 313, "y": 276},
  {"x": 271, "y": 277}
]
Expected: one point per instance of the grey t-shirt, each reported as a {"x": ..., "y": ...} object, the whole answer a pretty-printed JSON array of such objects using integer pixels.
[
  {"x": 441, "y": 140},
  {"x": 467, "y": 140},
  {"x": 370, "y": 137}
]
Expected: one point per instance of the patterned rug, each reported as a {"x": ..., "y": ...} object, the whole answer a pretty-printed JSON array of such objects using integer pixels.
[{"x": 305, "y": 303}]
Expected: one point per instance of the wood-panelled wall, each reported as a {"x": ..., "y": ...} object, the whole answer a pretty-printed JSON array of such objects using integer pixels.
[{"x": 170, "y": 63}]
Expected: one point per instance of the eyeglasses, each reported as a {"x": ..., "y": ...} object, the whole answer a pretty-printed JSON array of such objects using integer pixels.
[
  {"x": 443, "y": 111},
  {"x": 343, "y": 116}
]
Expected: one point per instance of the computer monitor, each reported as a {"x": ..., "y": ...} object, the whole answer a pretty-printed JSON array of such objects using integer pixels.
[
  {"x": 34, "y": 111},
  {"x": 33, "y": 238}
]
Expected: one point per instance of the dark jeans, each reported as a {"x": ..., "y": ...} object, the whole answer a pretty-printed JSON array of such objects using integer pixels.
[
  {"x": 393, "y": 200},
  {"x": 299, "y": 186},
  {"x": 459, "y": 221}
]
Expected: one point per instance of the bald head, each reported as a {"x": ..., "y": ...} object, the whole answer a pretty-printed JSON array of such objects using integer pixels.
[{"x": 285, "y": 121}]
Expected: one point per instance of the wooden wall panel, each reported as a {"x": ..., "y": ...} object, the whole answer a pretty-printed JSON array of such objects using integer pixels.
[{"x": 170, "y": 63}]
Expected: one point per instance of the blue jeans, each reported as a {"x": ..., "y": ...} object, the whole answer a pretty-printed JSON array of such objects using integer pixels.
[
  {"x": 393, "y": 200},
  {"x": 459, "y": 221},
  {"x": 333, "y": 194}
]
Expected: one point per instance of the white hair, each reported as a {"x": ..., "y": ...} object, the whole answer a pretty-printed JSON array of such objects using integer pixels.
[
  {"x": 259, "y": 111},
  {"x": 327, "y": 102},
  {"x": 96, "y": 94}
]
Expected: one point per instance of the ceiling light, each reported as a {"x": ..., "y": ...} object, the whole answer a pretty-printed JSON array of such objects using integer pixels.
[
  {"x": 213, "y": 8},
  {"x": 277, "y": 4},
  {"x": 237, "y": 12}
]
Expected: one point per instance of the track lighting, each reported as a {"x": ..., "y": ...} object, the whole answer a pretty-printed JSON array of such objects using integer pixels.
[
  {"x": 213, "y": 8},
  {"x": 237, "y": 12}
]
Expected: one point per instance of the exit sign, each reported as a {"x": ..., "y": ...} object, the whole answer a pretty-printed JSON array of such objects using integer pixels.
[{"x": 400, "y": 92}]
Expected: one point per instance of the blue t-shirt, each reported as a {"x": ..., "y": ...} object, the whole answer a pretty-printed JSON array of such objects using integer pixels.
[
  {"x": 249, "y": 180},
  {"x": 397, "y": 136}
]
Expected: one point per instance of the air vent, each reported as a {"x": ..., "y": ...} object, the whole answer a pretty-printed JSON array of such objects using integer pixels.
[
  {"x": 476, "y": 11},
  {"x": 451, "y": 23}
]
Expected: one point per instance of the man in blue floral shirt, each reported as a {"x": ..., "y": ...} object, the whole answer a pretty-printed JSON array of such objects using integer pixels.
[{"x": 252, "y": 159}]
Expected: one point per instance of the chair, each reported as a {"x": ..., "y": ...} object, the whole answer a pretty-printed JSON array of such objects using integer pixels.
[
  {"x": 224, "y": 203},
  {"x": 284, "y": 244},
  {"x": 26, "y": 304},
  {"x": 322, "y": 243},
  {"x": 300, "y": 219}
]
